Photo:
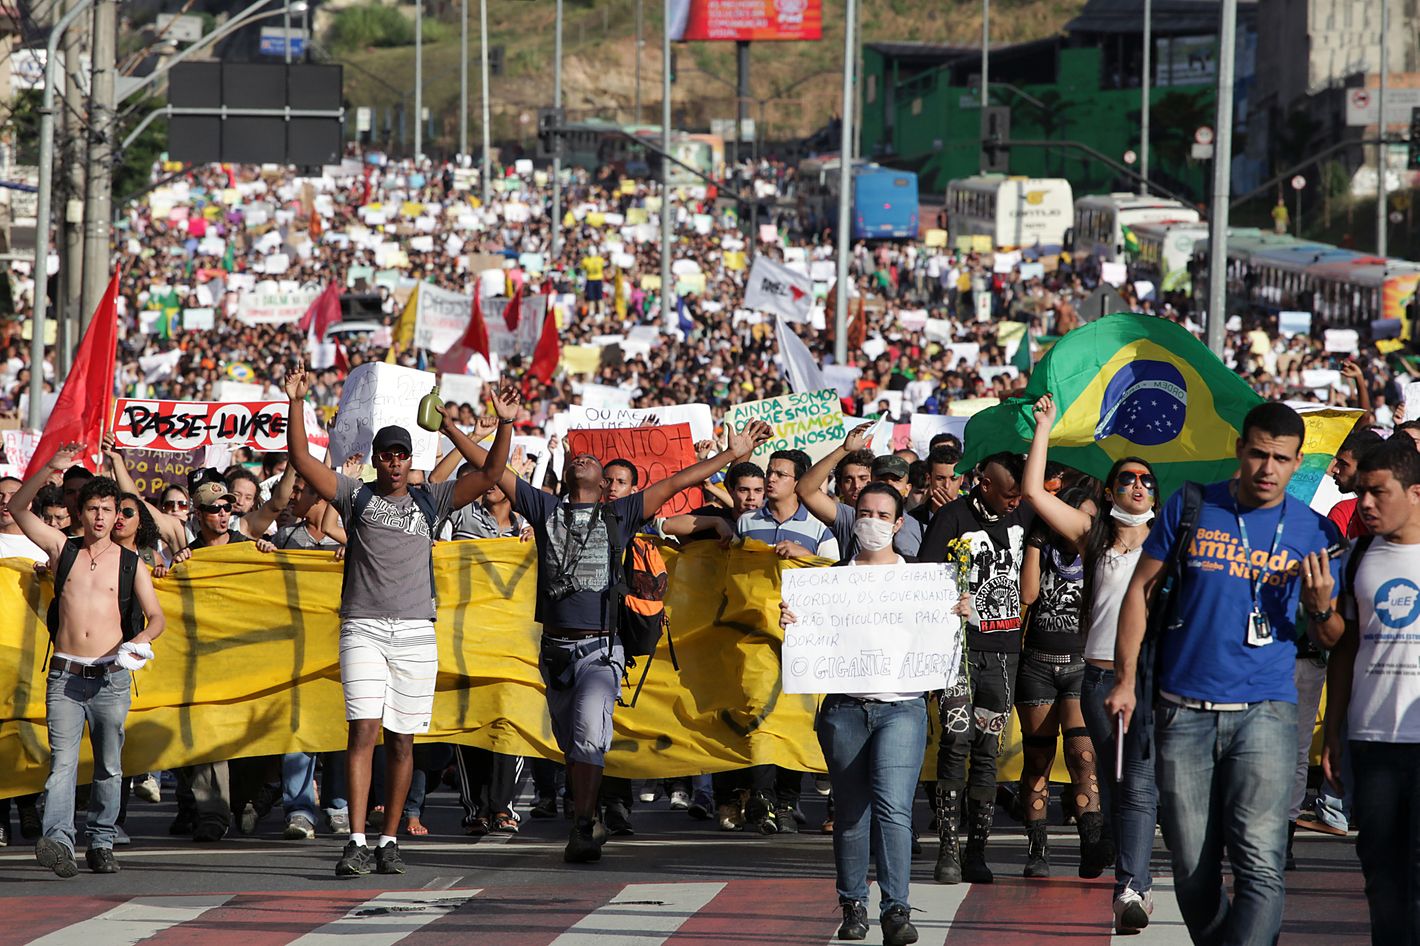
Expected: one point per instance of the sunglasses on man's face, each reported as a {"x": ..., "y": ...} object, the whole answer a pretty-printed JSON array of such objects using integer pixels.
[
  {"x": 1128, "y": 477},
  {"x": 216, "y": 508},
  {"x": 390, "y": 456},
  {"x": 128, "y": 513},
  {"x": 175, "y": 504}
]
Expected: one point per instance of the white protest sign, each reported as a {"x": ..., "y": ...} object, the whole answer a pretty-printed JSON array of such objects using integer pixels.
[
  {"x": 195, "y": 320},
  {"x": 1343, "y": 340},
  {"x": 927, "y": 426},
  {"x": 1412, "y": 400},
  {"x": 378, "y": 395},
  {"x": 1319, "y": 379},
  {"x": 605, "y": 397},
  {"x": 270, "y": 306},
  {"x": 440, "y": 317},
  {"x": 461, "y": 389},
  {"x": 871, "y": 629},
  {"x": 228, "y": 390},
  {"x": 583, "y": 417},
  {"x": 20, "y": 447},
  {"x": 1291, "y": 323},
  {"x": 811, "y": 421}
]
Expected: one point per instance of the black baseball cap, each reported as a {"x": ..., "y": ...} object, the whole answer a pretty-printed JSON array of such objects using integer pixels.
[{"x": 393, "y": 438}]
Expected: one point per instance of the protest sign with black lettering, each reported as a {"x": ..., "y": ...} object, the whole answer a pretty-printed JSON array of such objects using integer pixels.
[
  {"x": 811, "y": 421},
  {"x": 156, "y": 470},
  {"x": 440, "y": 317},
  {"x": 871, "y": 629},
  {"x": 268, "y": 305},
  {"x": 187, "y": 425},
  {"x": 656, "y": 452}
]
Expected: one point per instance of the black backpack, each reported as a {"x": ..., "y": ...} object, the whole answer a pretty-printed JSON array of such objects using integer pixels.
[
  {"x": 1164, "y": 615},
  {"x": 364, "y": 496},
  {"x": 130, "y": 609}
]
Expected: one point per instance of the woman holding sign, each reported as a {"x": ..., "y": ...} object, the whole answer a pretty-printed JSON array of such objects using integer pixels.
[{"x": 873, "y": 745}]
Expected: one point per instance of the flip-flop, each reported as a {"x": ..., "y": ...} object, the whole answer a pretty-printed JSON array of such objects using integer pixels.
[{"x": 416, "y": 828}]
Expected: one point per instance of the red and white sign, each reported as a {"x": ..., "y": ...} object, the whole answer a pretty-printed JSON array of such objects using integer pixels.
[
  {"x": 774, "y": 287},
  {"x": 1203, "y": 136},
  {"x": 187, "y": 425},
  {"x": 757, "y": 20}
]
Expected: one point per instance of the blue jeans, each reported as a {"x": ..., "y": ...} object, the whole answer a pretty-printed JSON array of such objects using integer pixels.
[
  {"x": 1225, "y": 782},
  {"x": 1132, "y": 806},
  {"x": 69, "y": 702},
  {"x": 298, "y": 785},
  {"x": 874, "y": 755},
  {"x": 1386, "y": 784}
]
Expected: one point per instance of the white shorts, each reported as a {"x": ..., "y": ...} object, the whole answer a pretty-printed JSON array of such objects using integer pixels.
[{"x": 388, "y": 670}]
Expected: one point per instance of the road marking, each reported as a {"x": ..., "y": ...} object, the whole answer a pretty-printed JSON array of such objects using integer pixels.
[
  {"x": 642, "y": 914},
  {"x": 387, "y": 919},
  {"x": 442, "y": 883},
  {"x": 1166, "y": 922},
  {"x": 132, "y": 922},
  {"x": 934, "y": 906}
]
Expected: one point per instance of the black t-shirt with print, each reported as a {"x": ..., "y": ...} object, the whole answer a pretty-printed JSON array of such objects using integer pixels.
[
  {"x": 993, "y": 623},
  {"x": 1054, "y": 626}
]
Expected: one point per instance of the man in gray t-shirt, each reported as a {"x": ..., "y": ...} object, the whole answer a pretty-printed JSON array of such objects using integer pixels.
[{"x": 389, "y": 656}]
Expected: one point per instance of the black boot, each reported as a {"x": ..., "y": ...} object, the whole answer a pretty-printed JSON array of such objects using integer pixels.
[
  {"x": 1037, "y": 850},
  {"x": 1096, "y": 847},
  {"x": 1291, "y": 834},
  {"x": 979, "y": 817},
  {"x": 948, "y": 870},
  {"x": 855, "y": 920}
]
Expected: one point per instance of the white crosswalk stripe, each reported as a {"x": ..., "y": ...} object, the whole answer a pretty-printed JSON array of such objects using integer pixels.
[
  {"x": 132, "y": 922},
  {"x": 641, "y": 915},
  {"x": 388, "y": 918}
]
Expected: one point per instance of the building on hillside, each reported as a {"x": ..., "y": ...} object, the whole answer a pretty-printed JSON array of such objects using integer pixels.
[{"x": 921, "y": 102}]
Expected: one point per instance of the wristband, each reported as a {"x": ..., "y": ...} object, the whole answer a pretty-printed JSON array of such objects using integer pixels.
[
  {"x": 503, "y": 423},
  {"x": 1321, "y": 617}
]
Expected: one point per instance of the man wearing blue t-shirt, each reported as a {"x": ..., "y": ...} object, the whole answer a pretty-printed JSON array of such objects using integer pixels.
[{"x": 1227, "y": 701}]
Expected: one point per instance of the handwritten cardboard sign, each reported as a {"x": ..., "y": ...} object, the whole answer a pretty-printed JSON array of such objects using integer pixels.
[
  {"x": 377, "y": 395},
  {"x": 155, "y": 470},
  {"x": 656, "y": 452},
  {"x": 811, "y": 421},
  {"x": 871, "y": 629},
  {"x": 581, "y": 417}
]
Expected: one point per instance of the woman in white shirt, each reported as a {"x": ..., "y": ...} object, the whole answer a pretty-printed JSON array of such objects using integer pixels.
[
  {"x": 1110, "y": 543},
  {"x": 873, "y": 744}
]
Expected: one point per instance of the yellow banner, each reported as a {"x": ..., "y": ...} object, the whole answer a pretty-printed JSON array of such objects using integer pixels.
[{"x": 248, "y": 666}]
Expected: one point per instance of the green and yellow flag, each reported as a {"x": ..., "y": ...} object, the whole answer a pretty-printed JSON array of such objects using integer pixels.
[
  {"x": 1127, "y": 385},
  {"x": 1131, "y": 242}
]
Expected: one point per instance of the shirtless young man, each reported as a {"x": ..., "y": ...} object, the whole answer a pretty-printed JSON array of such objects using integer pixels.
[{"x": 95, "y": 647}]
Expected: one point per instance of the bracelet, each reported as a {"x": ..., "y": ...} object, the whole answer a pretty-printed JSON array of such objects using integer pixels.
[{"x": 503, "y": 423}]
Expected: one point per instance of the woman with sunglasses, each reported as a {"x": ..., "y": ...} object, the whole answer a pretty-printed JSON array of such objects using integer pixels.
[{"x": 1109, "y": 543}]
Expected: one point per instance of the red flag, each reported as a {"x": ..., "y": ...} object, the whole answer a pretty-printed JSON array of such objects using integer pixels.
[
  {"x": 474, "y": 341},
  {"x": 323, "y": 313},
  {"x": 82, "y": 411},
  {"x": 513, "y": 311},
  {"x": 548, "y": 351},
  {"x": 342, "y": 360}
]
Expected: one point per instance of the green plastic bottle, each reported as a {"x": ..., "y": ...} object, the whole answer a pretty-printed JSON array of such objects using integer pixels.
[{"x": 429, "y": 417}]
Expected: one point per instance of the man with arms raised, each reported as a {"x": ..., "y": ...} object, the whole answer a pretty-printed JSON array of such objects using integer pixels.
[
  {"x": 104, "y": 600},
  {"x": 389, "y": 656}
]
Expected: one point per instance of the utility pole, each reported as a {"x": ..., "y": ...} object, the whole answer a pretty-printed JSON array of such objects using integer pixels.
[
  {"x": 1382, "y": 224},
  {"x": 98, "y": 177},
  {"x": 1222, "y": 181},
  {"x": 668, "y": 316},
  {"x": 1145, "y": 79},
  {"x": 463, "y": 77},
  {"x": 71, "y": 191},
  {"x": 985, "y": 57},
  {"x": 741, "y": 95},
  {"x": 418, "y": 81},
  {"x": 486, "y": 168},
  {"x": 557, "y": 152},
  {"x": 845, "y": 189},
  {"x": 636, "y": 112}
]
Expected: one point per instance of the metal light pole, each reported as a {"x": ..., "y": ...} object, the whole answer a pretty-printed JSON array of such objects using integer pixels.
[
  {"x": 1222, "y": 181},
  {"x": 463, "y": 77},
  {"x": 557, "y": 151},
  {"x": 668, "y": 316},
  {"x": 486, "y": 167},
  {"x": 418, "y": 80},
  {"x": 286, "y": 32},
  {"x": 1382, "y": 224},
  {"x": 636, "y": 113},
  {"x": 70, "y": 240},
  {"x": 42, "y": 211},
  {"x": 985, "y": 45},
  {"x": 1145, "y": 79},
  {"x": 845, "y": 187},
  {"x": 98, "y": 173}
]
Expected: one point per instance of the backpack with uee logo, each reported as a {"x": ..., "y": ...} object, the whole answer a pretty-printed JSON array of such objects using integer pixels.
[{"x": 638, "y": 592}]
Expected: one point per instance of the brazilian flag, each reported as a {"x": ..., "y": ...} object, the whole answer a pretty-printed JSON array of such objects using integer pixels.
[
  {"x": 1127, "y": 385},
  {"x": 1131, "y": 242}
]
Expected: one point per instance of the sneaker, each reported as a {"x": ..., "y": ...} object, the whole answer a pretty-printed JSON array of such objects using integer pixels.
[
  {"x": 1132, "y": 910},
  {"x": 1311, "y": 822},
  {"x": 680, "y": 801},
  {"x": 387, "y": 859},
  {"x": 855, "y": 920},
  {"x": 700, "y": 807},
  {"x": 209, "y": 832},
  {"x": 4, "y": 835},
  {"x": 355, "y": 861},
  {"x": 785, "y": 821},
  {"x": 58, "y": 858},
  {"x": 821, "y": 785},
  {"x": 339, "y": 822},
  {"x": 545, "y": 808},
  {"x": 730, "y": 817},
  {"x": 582, "y": 846},
  {"x": 148, "y": 789},
  {"x": 248, "y": 819},
  {"x": 299, "y": 828},
  {"x": 120, "y": 836},
  {"x": 618, "y": 820},
  {"x": 826, "y": 826},
  {"x": 100, "y": 860},
  {"x": 477, "y": 827},
  {"x": 897, "y": 927},
  {"x": 31, "y": 827},
  {"x": 647, "y": 793}
]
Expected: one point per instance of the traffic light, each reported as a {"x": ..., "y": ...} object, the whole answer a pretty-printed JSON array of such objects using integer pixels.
[
  {"x": 1414, "y": 162},
  {"x": 549, "y": 124},
  {"x": 995, "y": 129}
]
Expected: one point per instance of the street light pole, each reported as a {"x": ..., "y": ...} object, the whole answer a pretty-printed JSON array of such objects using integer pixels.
[
  {"x": 463, "y": 77},
  {"x": 1382, "y": 224},
  {"x": 636, "y": 112},
  {"x": 42, "y": 211},
  {"x": 1222, "y": 182},
  {"x": 845, "y": 188},
  {"x": 557, "y": 150},
  {"x": 668, "y": 316},
  {"x": 1145, "y": 80},
  {"x": 985, "y": 46},
  {"x": 486, "y": 168},
  {"x": 418, "y": 80},
  {"x": 98, "y": 173}
]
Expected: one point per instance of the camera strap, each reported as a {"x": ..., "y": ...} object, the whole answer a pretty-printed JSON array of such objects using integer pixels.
[{"x": 571, "y": 557}]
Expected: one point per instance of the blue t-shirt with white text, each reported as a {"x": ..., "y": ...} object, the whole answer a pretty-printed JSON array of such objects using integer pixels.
[{"x": 1208, "y": 657}]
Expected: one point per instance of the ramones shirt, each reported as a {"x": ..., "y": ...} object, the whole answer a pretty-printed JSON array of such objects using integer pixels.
[
  {"x": 996, "y": 544},
  {"x": 1054, "y": 619}
]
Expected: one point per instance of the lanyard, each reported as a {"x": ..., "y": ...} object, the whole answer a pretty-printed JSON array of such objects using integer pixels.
[{"x": 1247, "y": 549}]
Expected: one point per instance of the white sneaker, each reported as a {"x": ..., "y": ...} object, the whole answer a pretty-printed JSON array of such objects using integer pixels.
[
  {"x": 680, "y": 801},
  {"x": 1132, "y": 910},
  {"x": 147, "y": 789},
  {"x": 647, "y": 793},
  {"x": 299, "y": 828}
]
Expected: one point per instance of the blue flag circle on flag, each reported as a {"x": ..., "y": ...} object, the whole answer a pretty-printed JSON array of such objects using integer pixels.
[{"x": 1145, "y": 403}]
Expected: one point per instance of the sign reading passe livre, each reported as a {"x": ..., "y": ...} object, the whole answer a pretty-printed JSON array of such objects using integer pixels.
[{"x": 179, "y": 426}]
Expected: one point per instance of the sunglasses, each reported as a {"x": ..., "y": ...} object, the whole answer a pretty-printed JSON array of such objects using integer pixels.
[
  {"x": 128, "y": 513},
  {"x": 389, "y": 456},
  {"x": 217, "y": 507},
  {"x": 1128, "y": 477},
  {"x": 175, "y": 504}
]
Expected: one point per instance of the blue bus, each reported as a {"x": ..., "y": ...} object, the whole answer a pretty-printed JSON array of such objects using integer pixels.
[{"x": 884, "y": 199}]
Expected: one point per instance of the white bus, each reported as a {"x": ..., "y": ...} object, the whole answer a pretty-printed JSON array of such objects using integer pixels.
[
  {"x": 1013, "y": 212},
  {"x": 1165, "y": 251},
  {"x": 1100, "y": 221}
]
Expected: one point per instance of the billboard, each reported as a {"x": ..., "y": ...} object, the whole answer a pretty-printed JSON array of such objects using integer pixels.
[{"x": 757, "y": 20}]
